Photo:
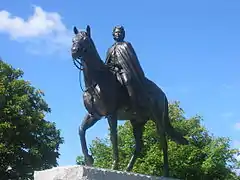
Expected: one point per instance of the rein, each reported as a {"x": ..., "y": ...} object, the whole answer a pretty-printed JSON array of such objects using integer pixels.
[{"x": 80, "y": 67}]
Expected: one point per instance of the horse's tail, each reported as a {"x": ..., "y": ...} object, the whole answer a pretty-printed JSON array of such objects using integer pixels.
[{"x": 174, "y": 134}]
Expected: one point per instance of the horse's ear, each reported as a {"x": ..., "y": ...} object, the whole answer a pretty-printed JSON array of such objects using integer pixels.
[
  {"x": 88, "y": 29},
  {"x": 75, "y": 30}
]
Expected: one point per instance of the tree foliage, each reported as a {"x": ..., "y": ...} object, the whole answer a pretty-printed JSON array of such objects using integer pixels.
[
  {"x": 27, "y": 141},
  {"x": 206, "y": 158}
]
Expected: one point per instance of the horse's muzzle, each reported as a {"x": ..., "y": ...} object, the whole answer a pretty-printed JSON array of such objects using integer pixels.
[
  {"x": 74, "y": 51},
  {"x": 75, "y": 55}
]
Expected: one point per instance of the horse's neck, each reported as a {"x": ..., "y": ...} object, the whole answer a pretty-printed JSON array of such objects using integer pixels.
[
  {"x": 87, "y": 78},
  {"x": 94, "y": 69}
]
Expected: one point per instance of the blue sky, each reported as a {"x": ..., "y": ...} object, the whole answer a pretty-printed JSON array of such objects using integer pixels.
[{"x": 191, "y": 49}]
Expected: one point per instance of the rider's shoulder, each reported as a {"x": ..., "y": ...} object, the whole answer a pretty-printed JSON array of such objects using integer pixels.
[
  {"x": 110, "y": 48},
  {"x": 128, "y": 43}
]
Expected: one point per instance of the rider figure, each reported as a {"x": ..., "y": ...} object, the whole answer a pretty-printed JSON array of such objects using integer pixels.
[{"x": 122, "y": 58}]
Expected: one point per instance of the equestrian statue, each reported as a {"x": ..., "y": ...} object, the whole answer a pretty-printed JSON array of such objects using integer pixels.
[{"x": 119, "y": 90}]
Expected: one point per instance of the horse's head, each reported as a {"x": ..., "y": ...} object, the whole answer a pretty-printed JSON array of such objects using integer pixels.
[{"x": 81, "y": 43}]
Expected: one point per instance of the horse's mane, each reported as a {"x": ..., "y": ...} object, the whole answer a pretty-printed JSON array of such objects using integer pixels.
[
  {"x": 94, "y": 49},
  {"x": 100, "y": 66}
]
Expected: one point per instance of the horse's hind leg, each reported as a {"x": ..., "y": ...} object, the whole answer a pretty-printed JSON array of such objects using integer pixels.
[
  {"x": 164, "y": 145},
  {"x": 138, "y": 133},
  {"x": 88, "y": 122}
]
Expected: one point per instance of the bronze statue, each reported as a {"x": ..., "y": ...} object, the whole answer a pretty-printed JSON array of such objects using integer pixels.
[{"x": 106, "y": 96}]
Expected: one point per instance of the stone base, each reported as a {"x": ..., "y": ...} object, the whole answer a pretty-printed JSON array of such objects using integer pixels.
[{"x": 89, "y": 173}]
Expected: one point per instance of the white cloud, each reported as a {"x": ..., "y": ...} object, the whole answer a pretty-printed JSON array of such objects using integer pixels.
[
  {"x": 237, "y": 125},
  {"x": 40, "y": 30}
]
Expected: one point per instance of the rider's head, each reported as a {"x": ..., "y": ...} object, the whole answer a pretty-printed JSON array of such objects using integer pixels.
[{"x": 118, "y": 33}]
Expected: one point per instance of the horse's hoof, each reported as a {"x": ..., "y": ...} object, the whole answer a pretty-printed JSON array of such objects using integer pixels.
[
  {"x": 114, "y": 167},
  {"x": 128, "y": 169},
  {"x": 166, "y": 174},
  {"x": 89, "y": 160}
]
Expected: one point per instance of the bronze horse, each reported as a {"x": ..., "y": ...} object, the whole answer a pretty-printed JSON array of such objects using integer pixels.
[{"x": 105, "y": 96}]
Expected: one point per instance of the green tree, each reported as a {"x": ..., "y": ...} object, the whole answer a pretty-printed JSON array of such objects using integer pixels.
[
  {"x": 206, "y": 158},
  {"x": 27, "y": 141}
]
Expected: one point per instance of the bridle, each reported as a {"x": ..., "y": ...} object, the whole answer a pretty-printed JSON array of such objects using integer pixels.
[{"x": 79, "y": 66}]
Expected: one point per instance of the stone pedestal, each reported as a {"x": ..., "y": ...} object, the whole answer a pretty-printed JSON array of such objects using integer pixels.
[{"x": 89, "y": 173}]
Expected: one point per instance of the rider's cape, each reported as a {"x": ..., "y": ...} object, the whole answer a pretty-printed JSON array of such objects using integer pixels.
[{"x": 128, "y": 60}]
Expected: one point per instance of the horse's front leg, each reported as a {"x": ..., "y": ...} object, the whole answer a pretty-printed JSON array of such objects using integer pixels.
[
  {"x": 88, "y": 122},
  {"x": 112, "y": 121}
]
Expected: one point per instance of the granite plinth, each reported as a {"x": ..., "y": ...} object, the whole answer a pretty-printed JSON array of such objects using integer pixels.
[{"x": 90, "y": 173}]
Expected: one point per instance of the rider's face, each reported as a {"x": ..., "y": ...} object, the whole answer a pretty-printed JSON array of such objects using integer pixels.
[{"x": 118, "y": 35}]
